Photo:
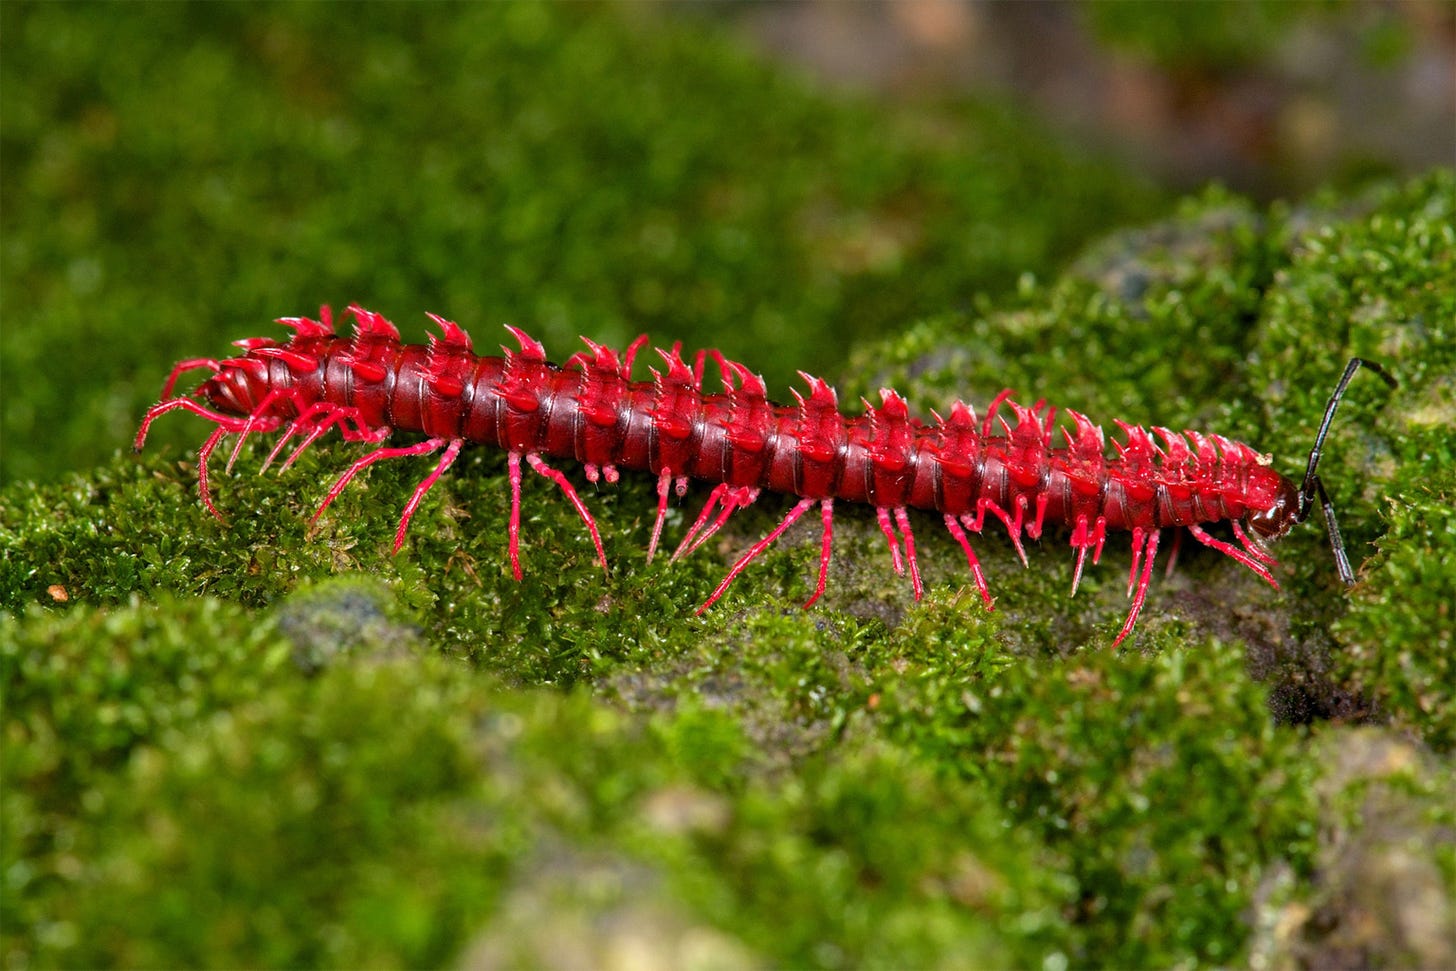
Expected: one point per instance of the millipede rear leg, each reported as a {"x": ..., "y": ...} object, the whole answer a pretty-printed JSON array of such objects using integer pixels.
[
  {"x": 975, "y": 564},
  {"x": 446, "y": 461},
  {"x": 729, "y": 498},
  {"x": 753, "y": 551},
  {"x": 534, "y": 460},
  {"x": 1148, "y": 552}
]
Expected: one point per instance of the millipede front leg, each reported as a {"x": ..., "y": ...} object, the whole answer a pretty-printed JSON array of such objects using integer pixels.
[
  {"x": 1233, "y": 552},
  {"x": 1250, "y": 546},
  {"x": 230, "y": 423},
  {"x": 318, "y": 418},
  {"x": 225, "y": 424},
  {"x": 191, "y": 364},
  {"x": 420, "y": 448},
  {"x": 258, "y": 421}
]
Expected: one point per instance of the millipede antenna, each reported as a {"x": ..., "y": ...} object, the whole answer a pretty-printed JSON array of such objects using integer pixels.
[{"x": 1312, "y": 485}]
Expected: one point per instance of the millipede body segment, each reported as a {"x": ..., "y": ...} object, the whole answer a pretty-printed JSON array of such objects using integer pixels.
[{"x": 1012, "y": 466}]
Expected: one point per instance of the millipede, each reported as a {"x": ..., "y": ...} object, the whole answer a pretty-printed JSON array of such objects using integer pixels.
[{"x": 1007, "y": 466}]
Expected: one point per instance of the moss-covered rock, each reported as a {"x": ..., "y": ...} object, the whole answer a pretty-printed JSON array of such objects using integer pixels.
[
  {"x": 316, "y": 770},
  {"x": 271, "y": 743}
]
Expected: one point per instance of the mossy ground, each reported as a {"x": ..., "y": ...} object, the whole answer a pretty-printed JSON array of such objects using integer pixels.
[{"x": 272, "y": 743}]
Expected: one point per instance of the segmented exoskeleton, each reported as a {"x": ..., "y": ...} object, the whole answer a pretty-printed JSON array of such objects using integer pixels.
[{"x": 1010, "y": 469}]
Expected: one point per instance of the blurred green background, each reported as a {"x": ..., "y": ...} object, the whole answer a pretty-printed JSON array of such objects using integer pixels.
[
  {"x": 177, "y": 177},
  {"x": 174, "y": 178}
]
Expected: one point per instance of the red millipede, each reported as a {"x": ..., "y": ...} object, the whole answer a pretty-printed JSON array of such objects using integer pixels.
[{"x": 590, "y": 410}]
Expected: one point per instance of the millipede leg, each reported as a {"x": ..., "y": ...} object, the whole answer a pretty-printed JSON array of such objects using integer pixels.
[
  {"x": 1232, "y": 551},
  {"x": 337, "y": 415},
  {"x": 826, "y": 512},
  {"x": 225, "y": 425},
  {"x": 684, "y": 548},
  {"x": 203, "y": 454},
  {"x": 230, "y": 423},
  {"x": 1077, "y": 573},
  {"x": 903, "y": 519},
  {"x": 882, "y": 513},
  {"x": 1081, "y": 541},
  {"x": 1013, "y": 524},
  {"x": 1148, "y": 555},
  {"x": 317, "y": 419},
  {"x": 513, "y": 529},
  {"x": 975, "y": 564},
  {"x": 732, "y": 499},
  {"x": 421, "y": 448},
  {"x": 1173, "y": 554},
  {"x": 534, "y": 460},
  {"x": 1137, "y": 551},
  {"x": 312, "y": 436},
  {"x": 799, "y": 509},
  {"x": 664, "y": 482},
  {"x": 446, "y": 461},
  {"x": 258, "y": 421},
  {"x": 293, "y": 429},
  {"x": 182, "y": 367},
  {"x": 1250, "y": 546}
]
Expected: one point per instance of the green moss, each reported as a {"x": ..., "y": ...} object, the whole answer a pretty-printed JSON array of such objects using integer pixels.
[
  {"x": 1396, "y": 641},
  {"x": 256, "y": 811},
  {"x": 832, "y": 869},
  {"x": 1379, "y": 286},
  {"x": 1145, "y": 771},
  {"x": 1151, "y": 324}
]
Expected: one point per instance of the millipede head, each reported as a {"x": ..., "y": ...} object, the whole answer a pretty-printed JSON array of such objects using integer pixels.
[
  {"x": 1281, "y": 515},
  {"x": 233, "y": 389}
]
